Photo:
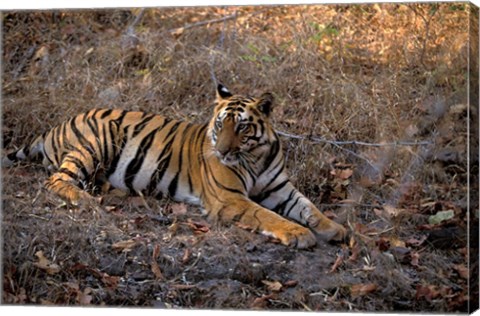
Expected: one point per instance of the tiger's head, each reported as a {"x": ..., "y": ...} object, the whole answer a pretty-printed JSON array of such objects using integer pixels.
[{"x": 240, "y": 130}]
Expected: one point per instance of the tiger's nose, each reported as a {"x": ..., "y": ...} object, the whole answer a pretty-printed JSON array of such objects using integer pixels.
[
  {"x": 223, "y": 147},
  {"x": 223, "y": 151}
]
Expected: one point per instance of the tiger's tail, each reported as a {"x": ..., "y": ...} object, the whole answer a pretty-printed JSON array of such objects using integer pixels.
[{"x": 32, "y": 151}]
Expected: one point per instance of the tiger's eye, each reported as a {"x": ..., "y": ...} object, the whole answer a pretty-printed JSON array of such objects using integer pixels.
[{"x": 242, "y": 127}]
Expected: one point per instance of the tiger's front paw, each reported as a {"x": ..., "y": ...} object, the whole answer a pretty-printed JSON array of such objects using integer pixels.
[
  {"x": 85, "y": 201},
  {"x": 294, "y": 235},
  {"x": 328, "y": 229}
]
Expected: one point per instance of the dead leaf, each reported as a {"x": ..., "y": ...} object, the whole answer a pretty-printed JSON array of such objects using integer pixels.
[
  {"x": 186, "y": 255},
  {"x": 352, "y": 242},
  {"x": 393, "y": 211},
  {"x": 110, "y": 281},
  {"x": 198, "y": 226},
  {"x": 84, "y": 298},
  {"x": 138, "y": 201},
  {"x": 72, "y": 286},
  {"x": 462, "y": 271},
  {"x": 362, "y": 289},
  {"x": 273, "y": 286},
  {"x": 179, "y": 209},
  {"x": 428, "y": 292},
  {"x": 111, "y": 208},
  {"x": 290, "y": 121},
  {"x": 379, "y": 212},
  {"x": 411, "y": 130},
  {"x": 427, "y": 227},
  {"x": 177, "y": 32},
  {"x": 338, "y": 262},
  {"x": 139, "y": 220},
  {"x": 414, "y": 242},
  {"x": 362, "y": 229},
  {"x": 41, "y": 53},
  {"x": 458, "y": 300},
  {"x": 89, "y": 51},
  {"x": 44, "y": 264},
  {"x": 20, "y": 298},
  {"x": 261, "y": 302},
  {"x": 368, "y": 182},
  {"x": 46, "y": 302},
  {"x": 355, "y": 250},
  {"x": 343, "y": 174},
  {"x": 183, "y": 286},
  {"x": 415, "y": 256},
  {"x": 290, "y": 283},
  {"x": 395, "y": 242},
  {"x": 458, "y": 108},
  {"x": 155, "y": 267},
  {"x": 20, "y": 194},
  {"x": 125, "y": 245}
]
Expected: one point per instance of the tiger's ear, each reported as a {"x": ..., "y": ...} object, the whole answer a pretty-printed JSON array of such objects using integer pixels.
[
  {"x": 223, "y": 92},
  {"x": 265, "y": 103}
]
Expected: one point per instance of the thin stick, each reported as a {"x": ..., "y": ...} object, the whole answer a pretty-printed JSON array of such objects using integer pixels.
[
  {"x": 189, "y": 26},
  {"x": 319, "y": 140},
  {"x": 225, "y": 18},
  {"x": 131, "y": 27}
]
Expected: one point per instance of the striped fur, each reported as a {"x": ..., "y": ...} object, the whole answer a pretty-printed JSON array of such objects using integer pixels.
[{"x": 232, "y": 166}]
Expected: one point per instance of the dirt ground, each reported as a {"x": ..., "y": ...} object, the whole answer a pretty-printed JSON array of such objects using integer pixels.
[{"x": 373, "y": 106}]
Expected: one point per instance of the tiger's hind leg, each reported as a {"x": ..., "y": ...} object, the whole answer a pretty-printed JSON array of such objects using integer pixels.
[{"x": 75, "y": 167}]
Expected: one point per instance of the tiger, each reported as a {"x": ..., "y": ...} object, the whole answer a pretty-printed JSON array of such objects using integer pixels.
[{"x": 232, "y": 167}]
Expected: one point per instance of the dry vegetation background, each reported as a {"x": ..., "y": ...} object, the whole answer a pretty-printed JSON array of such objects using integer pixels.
[{"x": 379, "y": 74}]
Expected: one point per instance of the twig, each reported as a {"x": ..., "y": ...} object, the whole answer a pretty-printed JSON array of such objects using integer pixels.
[
  {"x": 353, "y": 203},
  {"x": 131, "y": 27},
  {"x": 199, "y": 255},
  {"x": 358, "y": 156},
  {"x": 25, "y": 59},
  {"x": 218, "y": 47},
  {"x": 225, "y": 18},
  {"x": 39, "y": 217},
  {"x": 189, "y": 26},
  {"x": 320, "y": 140},
  {"x": 427, "y": 28}
]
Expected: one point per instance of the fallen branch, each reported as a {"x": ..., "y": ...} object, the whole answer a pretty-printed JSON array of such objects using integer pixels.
[
  {"x": 320, "y": 140},
  {"x": 189, "y": 26},
  {"x": 223, "y": 19}
]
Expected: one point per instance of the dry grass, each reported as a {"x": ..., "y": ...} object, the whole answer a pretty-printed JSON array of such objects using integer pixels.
[{"x": 374, "y": 73}]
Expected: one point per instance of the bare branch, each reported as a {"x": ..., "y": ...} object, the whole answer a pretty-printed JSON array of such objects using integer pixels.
[
  {"x": 427, "y": 27},
  {"x": 225, "y": 18},
  {"x": 320, "y": 140},
  {"x": 189, "y": 26}
]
